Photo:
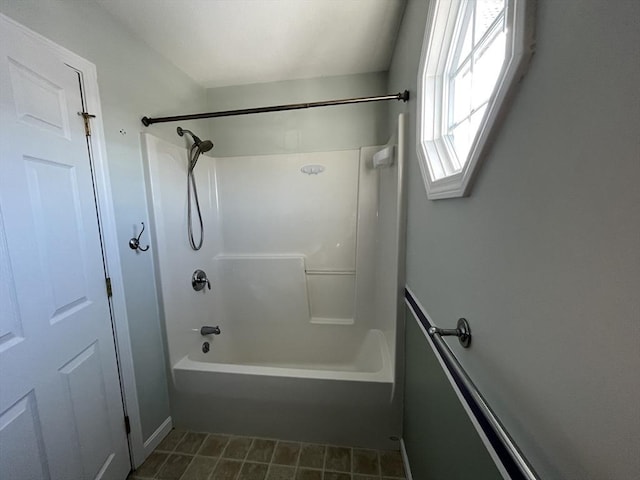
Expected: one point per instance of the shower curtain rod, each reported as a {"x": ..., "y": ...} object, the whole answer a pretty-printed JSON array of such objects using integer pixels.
[{"x": 404, "y": 96}]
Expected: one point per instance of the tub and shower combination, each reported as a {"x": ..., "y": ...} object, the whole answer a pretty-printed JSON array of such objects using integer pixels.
[{"x": 302, "y": 254}]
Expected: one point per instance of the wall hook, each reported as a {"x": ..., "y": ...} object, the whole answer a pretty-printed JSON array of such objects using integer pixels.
[{"x": 134, "y": 243}]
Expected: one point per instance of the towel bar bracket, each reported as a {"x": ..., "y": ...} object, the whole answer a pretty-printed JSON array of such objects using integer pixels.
[{"x": 463, "y": 332}]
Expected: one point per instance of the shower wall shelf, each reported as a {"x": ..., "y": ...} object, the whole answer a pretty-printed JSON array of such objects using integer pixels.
[{"x": 404, "y": 96}]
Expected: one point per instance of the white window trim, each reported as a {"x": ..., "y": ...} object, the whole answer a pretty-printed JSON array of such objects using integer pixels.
[{"x": 438, "y": 171}]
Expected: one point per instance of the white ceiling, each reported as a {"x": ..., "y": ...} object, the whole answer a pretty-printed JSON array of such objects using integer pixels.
[{"x": 236, "y": 42}]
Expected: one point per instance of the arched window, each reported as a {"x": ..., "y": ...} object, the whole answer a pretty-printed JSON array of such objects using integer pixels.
[{"x": 474, "y": 51}]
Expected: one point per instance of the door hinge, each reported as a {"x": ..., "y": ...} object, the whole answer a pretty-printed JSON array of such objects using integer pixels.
[
  {"x": 109, "y": 289},
  {"x": 87, "y": 124},
  {"x": 127, "y": 424}
]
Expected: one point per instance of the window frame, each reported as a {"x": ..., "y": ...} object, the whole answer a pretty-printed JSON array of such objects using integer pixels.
[{"x": 441, "y": 172}]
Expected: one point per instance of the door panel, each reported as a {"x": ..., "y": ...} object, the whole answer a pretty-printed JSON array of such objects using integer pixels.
[
  {"x": 84, "y": 382},
  {"x": 38, "y": 102},
  {"x": 20, "y": 431},
  {"x": 61, "y": 412},
  {"x": 58, "y": 231},
  {"x": 10, "y": 322}
]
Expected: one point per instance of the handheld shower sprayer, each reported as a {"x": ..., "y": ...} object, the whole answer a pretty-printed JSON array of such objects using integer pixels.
[
  {"x": 198, "y": 147},
  {"x": 202, "y": 145}
]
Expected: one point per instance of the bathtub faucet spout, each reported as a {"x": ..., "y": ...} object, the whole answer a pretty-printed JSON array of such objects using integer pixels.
[{"x": 210, "y": 330}]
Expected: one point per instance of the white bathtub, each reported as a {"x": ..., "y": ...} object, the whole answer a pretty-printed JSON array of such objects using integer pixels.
[
  {"x": 323, "y": 353},
  {"x": 331, "y": 385}
]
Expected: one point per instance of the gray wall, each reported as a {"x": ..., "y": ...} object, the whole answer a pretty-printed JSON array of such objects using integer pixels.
[
  {"x": 438, "y": 433},
  {"x": 543, "y": 258},
  {"x": 133, "y": 81},
  {"x": 312, "y": 130}
]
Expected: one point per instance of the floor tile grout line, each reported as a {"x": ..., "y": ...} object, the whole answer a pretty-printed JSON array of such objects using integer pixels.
[
  {"x": 214, "y": 466},
  {"x": 244, "y": 459},
  {"x": 273, "y": 452},
  {"x": 185, "y": 470},
  {"x": 297, "y": 463},
  {"x": 155, "y": 474},
  {"x": 351, "y": 449},
  {"x": 324, "y": 458},
  {"x": 273, "y": 455},
  {"x": 351, "y": 461},
  {"x": 219, "y": 457},
  {"x": 296, "y": 467},
  {"x": 313, "y": 444},
  {"x": 246, "y": 456},
  {"x": 196, "y": 455},
  {"x": 299, "y": 455}
]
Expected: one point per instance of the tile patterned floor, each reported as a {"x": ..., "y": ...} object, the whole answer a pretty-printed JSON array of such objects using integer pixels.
[{"x": 201, "y": 456}]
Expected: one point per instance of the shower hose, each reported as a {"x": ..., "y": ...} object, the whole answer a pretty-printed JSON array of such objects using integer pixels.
[{"x": 191, "y": 186}]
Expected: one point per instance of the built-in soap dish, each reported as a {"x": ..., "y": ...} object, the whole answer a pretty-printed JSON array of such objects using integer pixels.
[{"x": 312, "y": 169}]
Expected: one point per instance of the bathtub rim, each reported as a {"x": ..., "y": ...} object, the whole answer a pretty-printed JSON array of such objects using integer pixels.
[{"x": 383, "y": 375}]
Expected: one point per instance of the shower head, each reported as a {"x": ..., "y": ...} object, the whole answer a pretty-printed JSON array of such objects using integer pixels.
[
  {"x": 205, "y": 145},
  {"x": 202, "y": 145}
]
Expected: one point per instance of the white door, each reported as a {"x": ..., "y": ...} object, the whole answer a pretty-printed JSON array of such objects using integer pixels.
[{"x": 61, "y": 413}]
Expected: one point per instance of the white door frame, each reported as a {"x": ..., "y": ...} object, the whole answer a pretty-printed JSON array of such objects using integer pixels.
[{"x": 109, "y": 235}]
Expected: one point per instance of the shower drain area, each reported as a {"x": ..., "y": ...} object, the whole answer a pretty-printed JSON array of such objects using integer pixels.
[{"x": 184, "y": 455}]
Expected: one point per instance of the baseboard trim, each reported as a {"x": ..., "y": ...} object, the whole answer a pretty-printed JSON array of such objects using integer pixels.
[
  {"x": 156, "y": 437},
  {"x": 405, "y": 460}
]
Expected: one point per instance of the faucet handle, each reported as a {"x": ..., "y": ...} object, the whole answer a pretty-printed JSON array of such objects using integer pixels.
[{"x": 199, "y": 280}]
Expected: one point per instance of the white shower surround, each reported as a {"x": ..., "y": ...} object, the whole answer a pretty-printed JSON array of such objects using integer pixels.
[{"x": 306, "y": 300}]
